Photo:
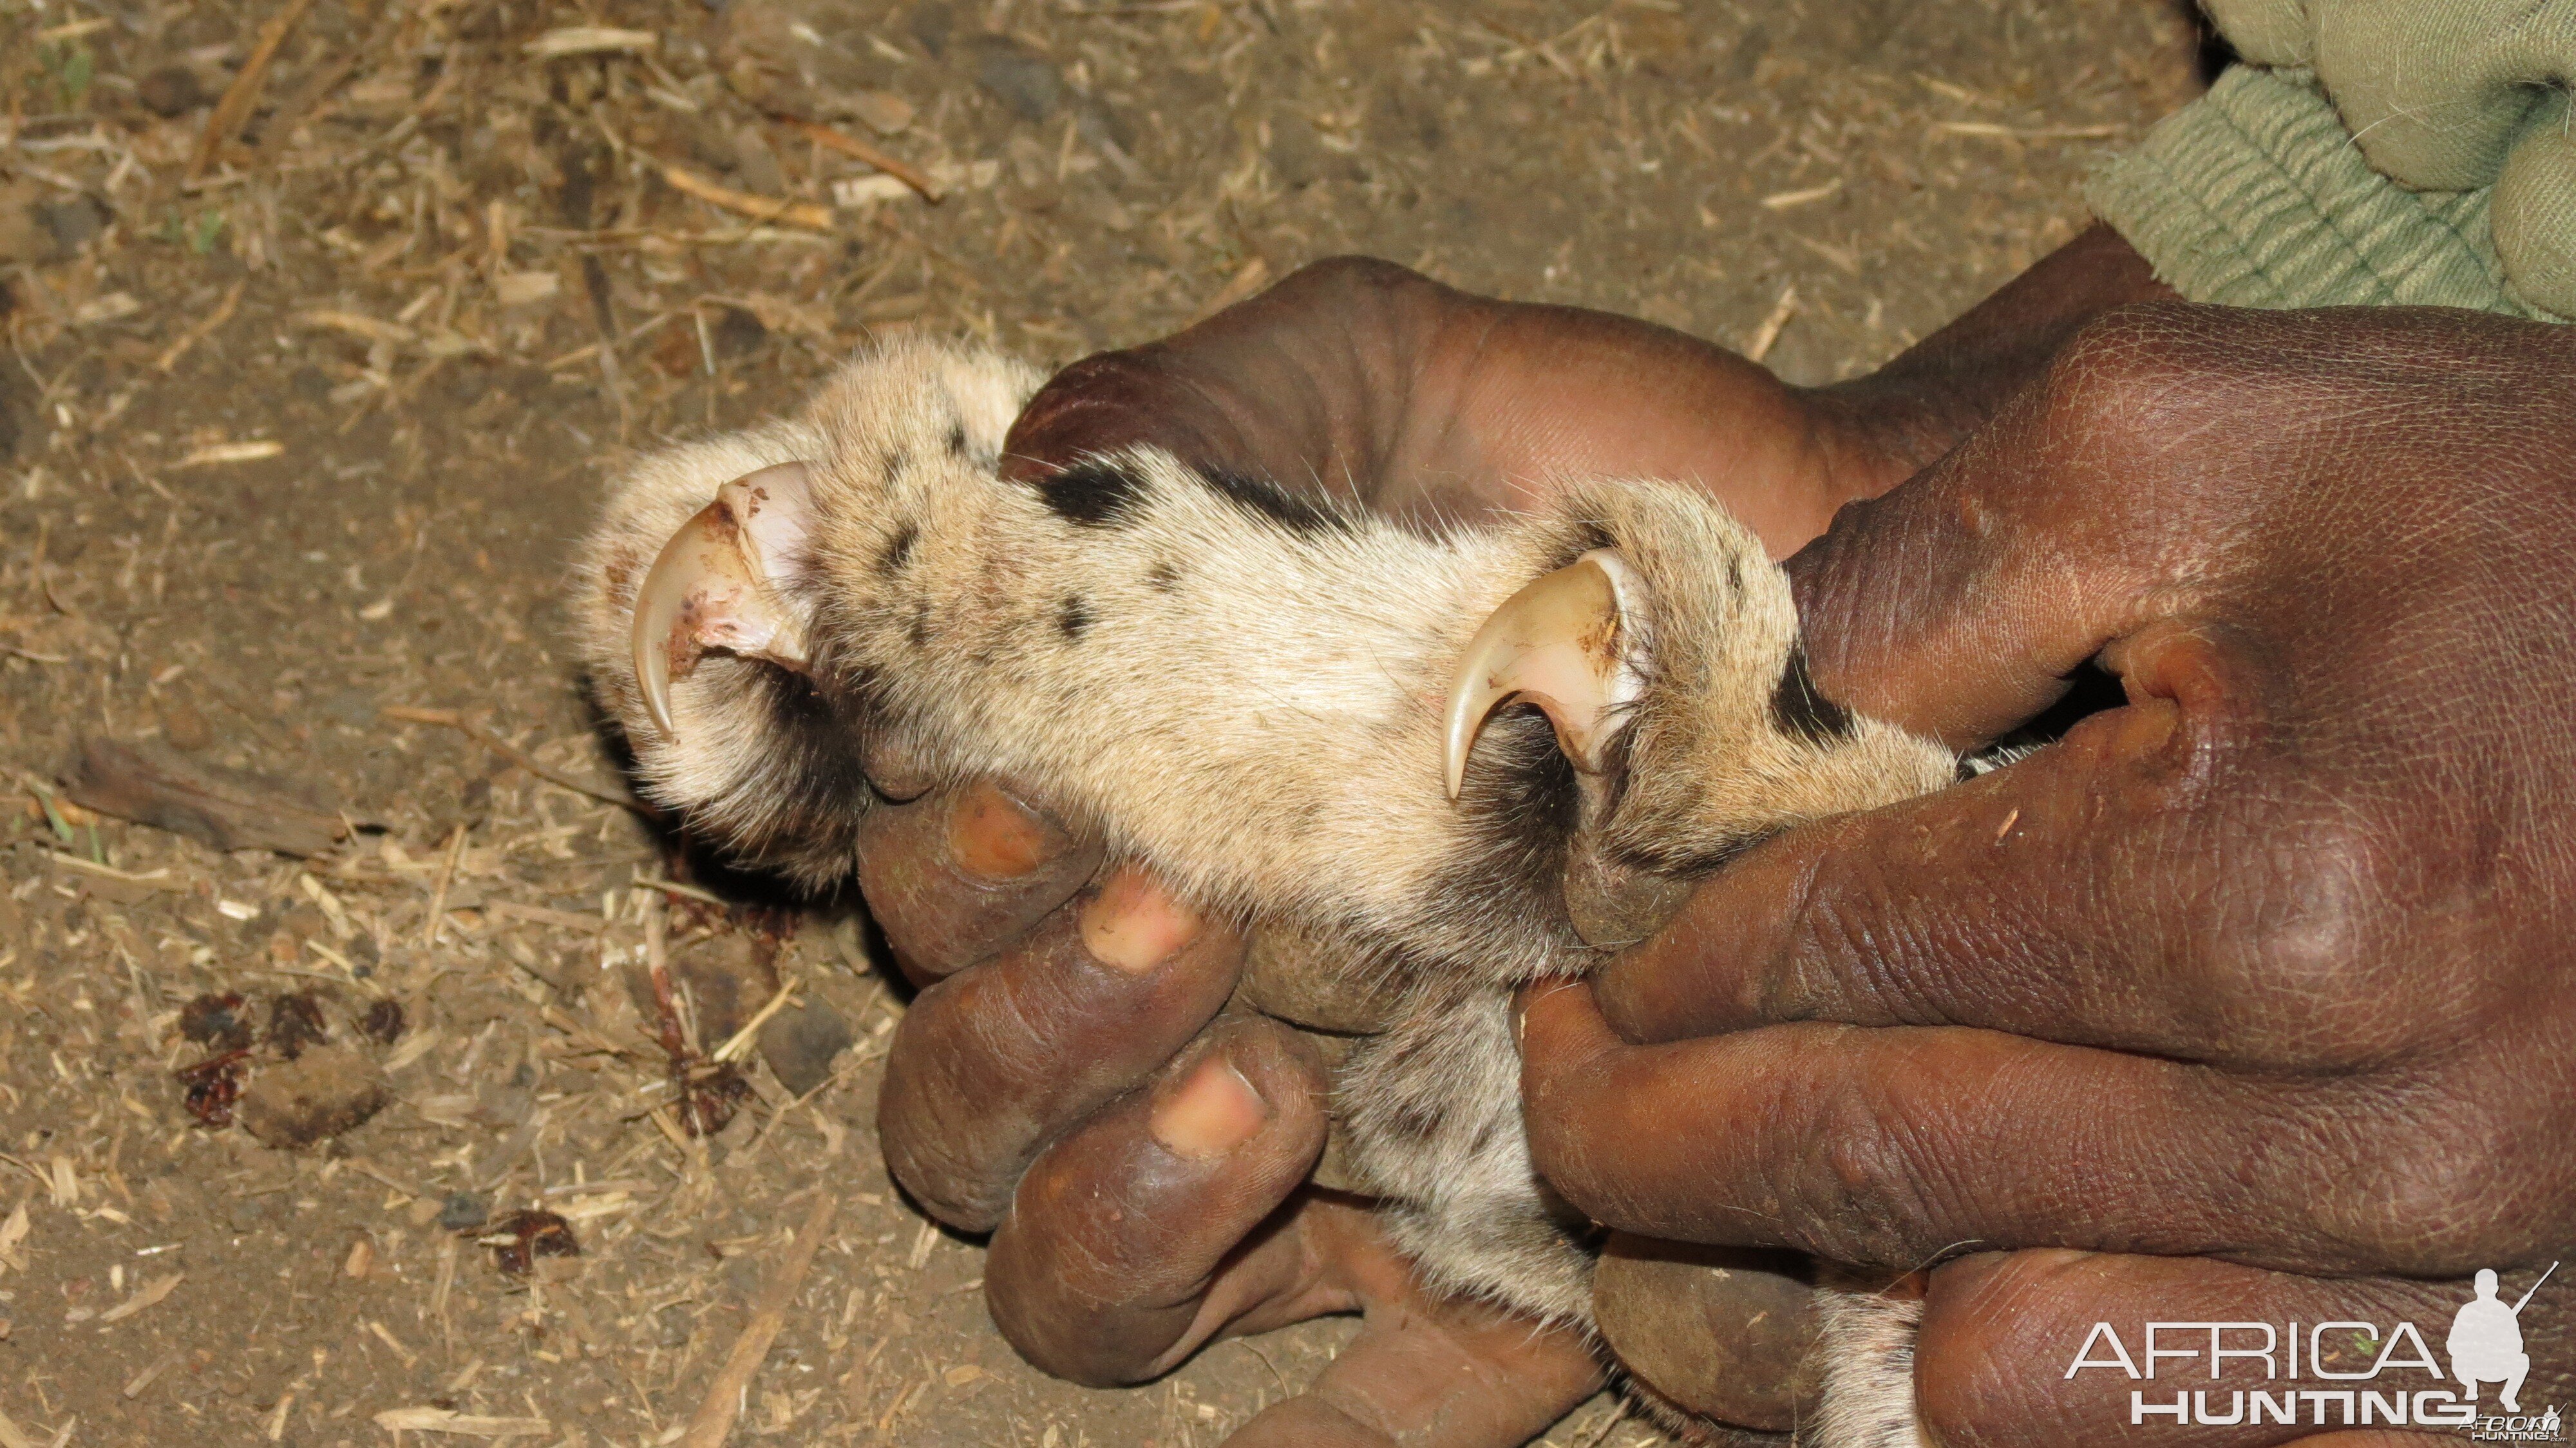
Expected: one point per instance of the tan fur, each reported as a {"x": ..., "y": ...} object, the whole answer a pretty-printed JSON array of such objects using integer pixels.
[{"x": 1245, "y": 692}]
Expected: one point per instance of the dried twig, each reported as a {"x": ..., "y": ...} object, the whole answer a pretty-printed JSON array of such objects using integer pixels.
[
  {"x": 243, "y": 93},
  {"x": 590, "y": 40},
  {"x": 715, "y": 1415},
  {"x": 766, "y": 208},
  {"x": 857, "y": 150},
  {"x": 429, "y": 928},
  {"x": 204, "y": 328},
  {"x": 1768, "y": 334},
  {"x": 738, "y": 1045}
]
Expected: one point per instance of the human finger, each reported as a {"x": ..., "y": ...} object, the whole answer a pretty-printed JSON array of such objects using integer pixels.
[
  {"x": 1134, "y": 1238},
  {"x": 1445, "y": 1375},
  {"x": 2110, "y": 890},
  {"x": 1726, "y": 1334},
  {"x": 1362, "y": 379},
  {"x": 996, "y": 1059},
  {"x": 1892, "y": 1146},
  {"x": 954, "y": 873}
]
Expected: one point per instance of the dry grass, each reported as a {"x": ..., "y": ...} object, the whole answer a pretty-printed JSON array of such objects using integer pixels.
[{"x": 324, "y": 318}]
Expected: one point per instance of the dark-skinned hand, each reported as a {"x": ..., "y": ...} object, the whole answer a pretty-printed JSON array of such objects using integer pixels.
[
  {"x": 2270, "y": 964},
  {"x": 1059, "y": 1083}
]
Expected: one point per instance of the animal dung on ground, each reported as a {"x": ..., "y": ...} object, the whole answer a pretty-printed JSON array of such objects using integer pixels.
[
  {"x": 317, "y": 1096},
  {"x": 383, "y": 1021},
  {"x": 295, "y": 1023},
  {"x": 216, "y": 1021},
  {"x": 706, "y": 1094},
  {"x": 212, "y": 1086},
  {"x": 519, "y": 1239}
]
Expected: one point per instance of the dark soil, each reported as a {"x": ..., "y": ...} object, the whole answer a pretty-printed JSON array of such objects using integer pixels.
[{"x": 304, "y": 439}]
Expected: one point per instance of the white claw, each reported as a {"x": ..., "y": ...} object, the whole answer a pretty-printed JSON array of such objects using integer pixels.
[
  {"x": 714, "y": 585},
  {"x": 1562, "y": 643}
]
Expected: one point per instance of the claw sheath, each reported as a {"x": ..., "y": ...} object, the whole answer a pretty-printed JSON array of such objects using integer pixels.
[
  {"x": 1561, "y": 643},
  {"x": 712, "y": 586}
]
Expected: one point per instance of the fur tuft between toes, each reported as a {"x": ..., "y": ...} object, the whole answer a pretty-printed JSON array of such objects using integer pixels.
[{"x": 1868, "y": 1346}]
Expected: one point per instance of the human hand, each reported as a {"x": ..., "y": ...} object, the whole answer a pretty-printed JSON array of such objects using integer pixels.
[
  {"x": 1055, "y": 1084},
  {"x": 2267, "y": 965},
  {"x": 1416, "y": 399},
  {"x": 1065, "y": 1082}
]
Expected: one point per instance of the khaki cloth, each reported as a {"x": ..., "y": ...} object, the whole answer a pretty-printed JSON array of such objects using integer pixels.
[{"x": 2369, "y": 151}]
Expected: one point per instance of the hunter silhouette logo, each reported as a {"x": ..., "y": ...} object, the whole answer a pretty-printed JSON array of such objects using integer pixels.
[{"x": 2486, "y": 1341}]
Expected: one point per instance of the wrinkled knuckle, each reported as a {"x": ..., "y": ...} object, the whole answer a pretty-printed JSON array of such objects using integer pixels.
[
  {"x": 948, "y": 1187},
  {"x": 1871, "y": 1185},
  {"x": 2302, "y": 952},
  {"x": 1853, "y": 958}
]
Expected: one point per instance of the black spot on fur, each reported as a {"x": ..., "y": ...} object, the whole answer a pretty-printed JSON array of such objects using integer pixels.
[
  {"x": 895, "y": 462},
  {"x": 1072, "y": 617},
  {"x": 1163, "y": 577},
  {"x": 957, "y": 439},
  {"x": 1798, "y": 709},
  {"x": 919, "y": 629},
  {"x": 1299, "y": 514},
  {"x": 1096, "y": 494},
  {"x": 898, "y": 549}
]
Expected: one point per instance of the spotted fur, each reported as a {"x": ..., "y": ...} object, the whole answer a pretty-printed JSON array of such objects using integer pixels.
[{"x": 1243, "y": 685}]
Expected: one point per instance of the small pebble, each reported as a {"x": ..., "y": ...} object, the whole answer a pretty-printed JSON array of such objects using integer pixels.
[
  {"x": 800, "y": 1042},
  {"x": 738, "y": 332},
  {"x": 72, "y": 224},
  {"x": 170, "y": 91}
]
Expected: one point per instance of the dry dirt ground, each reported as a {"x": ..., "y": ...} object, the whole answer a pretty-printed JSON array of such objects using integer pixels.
[{"x": 305, "y": 396}]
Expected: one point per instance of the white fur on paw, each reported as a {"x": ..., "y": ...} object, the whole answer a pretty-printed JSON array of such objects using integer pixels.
[{"x": 1868, "y": 1346}]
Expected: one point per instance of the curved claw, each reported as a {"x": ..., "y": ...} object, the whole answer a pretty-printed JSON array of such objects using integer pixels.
[
  {"x": 1561, "y": 643},
  {"x": 712, "y": 586}
]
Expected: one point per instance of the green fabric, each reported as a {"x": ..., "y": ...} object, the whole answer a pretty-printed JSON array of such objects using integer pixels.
[{"x": 2415, "y": 151}]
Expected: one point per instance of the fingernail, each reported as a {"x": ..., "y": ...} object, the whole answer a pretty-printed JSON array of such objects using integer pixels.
[
  {"x": 1132, "y": 925},
  {"x": 995, "y": 836},
  {"x": 1209, "y": 1114}
]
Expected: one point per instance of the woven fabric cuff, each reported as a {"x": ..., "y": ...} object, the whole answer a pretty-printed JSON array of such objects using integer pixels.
[{"x": 2254, "y": 196}]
